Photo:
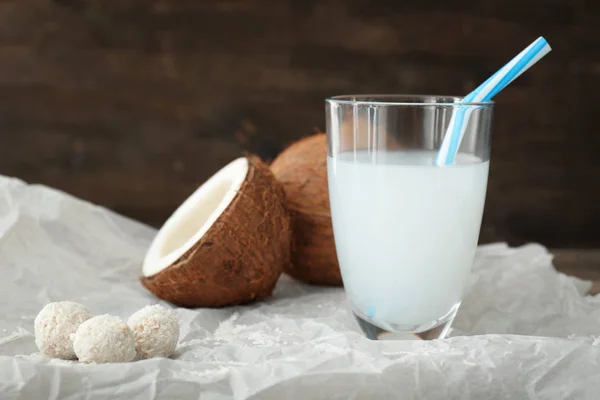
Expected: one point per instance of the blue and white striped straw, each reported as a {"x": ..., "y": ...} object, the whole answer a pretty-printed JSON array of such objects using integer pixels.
[{"x": 485, "y": 92}]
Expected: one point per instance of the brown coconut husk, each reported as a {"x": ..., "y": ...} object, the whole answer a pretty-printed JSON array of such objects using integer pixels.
[
  {"x": 242, "y": 255},
  {"x": 302, "y": 170}
]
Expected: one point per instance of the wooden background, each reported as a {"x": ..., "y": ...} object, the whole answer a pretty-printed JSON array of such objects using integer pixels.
[{"x": 133, "y": 103}]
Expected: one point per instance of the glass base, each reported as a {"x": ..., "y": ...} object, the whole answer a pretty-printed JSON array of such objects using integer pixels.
[{"x": 437, "y": 329}]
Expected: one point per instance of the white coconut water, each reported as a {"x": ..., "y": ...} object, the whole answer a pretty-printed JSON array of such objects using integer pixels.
[{"x": 405, "y": 231}]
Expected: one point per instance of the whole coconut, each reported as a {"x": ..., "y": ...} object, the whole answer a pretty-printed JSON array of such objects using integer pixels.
[{"x": 302, "y": 170}]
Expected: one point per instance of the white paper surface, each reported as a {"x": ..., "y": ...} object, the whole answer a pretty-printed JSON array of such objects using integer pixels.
[{"x": 523, "y": 332}]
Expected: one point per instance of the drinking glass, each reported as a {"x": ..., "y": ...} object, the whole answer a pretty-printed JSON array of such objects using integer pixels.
[{"x": 405, "y": 229}]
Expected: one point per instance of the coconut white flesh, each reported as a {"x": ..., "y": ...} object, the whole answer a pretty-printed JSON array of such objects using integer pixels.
[{"x": 194, "y": 217}]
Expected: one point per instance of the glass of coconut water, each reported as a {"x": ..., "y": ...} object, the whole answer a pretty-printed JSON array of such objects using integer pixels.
[{"x": 405, "y": 227}]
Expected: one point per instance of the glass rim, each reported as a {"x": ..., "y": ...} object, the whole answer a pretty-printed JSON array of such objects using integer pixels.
[{"x": 404, "y": 100}]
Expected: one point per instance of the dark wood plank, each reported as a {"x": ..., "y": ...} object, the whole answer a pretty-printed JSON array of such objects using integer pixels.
[
  {"x": 132, "y": 103},
  {"x": 584, "y": 264}
]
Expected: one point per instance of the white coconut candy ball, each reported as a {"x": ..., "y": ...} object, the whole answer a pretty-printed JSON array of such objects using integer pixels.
[
  {"x": 104, "y": 339},
  {"x": 156, "y": 331},
  {"x": 55, "y": 325}
]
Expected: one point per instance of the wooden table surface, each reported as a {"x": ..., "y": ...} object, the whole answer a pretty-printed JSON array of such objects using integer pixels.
[{"x": 582, "y": 263}]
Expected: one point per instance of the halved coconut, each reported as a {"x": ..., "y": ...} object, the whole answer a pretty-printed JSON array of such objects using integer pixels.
[{"x": 226, "y": 244}]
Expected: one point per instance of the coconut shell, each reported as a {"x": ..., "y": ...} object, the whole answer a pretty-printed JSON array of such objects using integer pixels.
[
  {"x": 241, "y": 256},
  {"x": 302, "y": 170}
]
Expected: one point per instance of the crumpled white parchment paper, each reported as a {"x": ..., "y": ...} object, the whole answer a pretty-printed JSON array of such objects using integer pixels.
[{"x": 524, "y": 331}]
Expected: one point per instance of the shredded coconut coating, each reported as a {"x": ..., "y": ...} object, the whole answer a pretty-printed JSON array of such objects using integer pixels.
[
  {"x": 104, "y": 339},
  {"x": 54, "y": 326},
  {"x": 156, "y": 331}
]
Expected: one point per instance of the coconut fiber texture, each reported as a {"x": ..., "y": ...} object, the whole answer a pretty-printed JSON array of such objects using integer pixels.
[
  {"x": 302, "y": 170},
  {"x": 241, "y": 256}
]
